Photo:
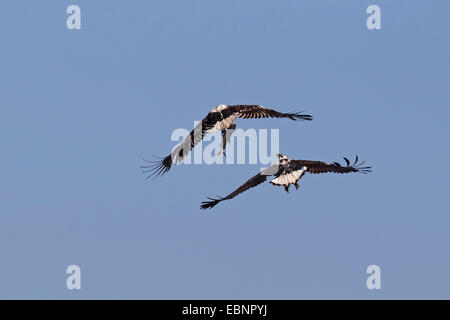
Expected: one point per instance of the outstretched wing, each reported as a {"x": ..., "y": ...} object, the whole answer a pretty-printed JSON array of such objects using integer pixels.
[
  {"x": 162, "y": 165},
  {"x": 252, "y": 182},
  {"x": 257, "y": 111},
  {"x": 315, "y": 167}
]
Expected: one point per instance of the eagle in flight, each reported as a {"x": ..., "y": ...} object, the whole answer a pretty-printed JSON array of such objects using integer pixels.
[
  {"x": 289, "y": 171},
  {"x": 222, "y": 118}
]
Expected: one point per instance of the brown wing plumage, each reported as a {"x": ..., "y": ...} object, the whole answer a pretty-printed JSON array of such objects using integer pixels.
[
  {"x": 252, "y": 182},
  {"x": 257, "y": 111},
  {"x": 315, "y": 167},
  {"x": 162, "y": 165}
]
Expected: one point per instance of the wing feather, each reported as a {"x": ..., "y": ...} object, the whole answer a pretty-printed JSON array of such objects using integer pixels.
[
  {"x": 161, "y": 166},
  {"x": 316, "y": 167},
  {"x": 257, "y": 112},
  {"x": 251, "y": 183}
]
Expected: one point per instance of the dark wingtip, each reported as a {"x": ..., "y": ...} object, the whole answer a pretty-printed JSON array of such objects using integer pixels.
[
  {"x": 358, "y": 166},
  {"x": 210, "y": 204},
  {"x": 300, "y": 116},
  {"x": 158, "y": 167},
  {"x": 348, "y": 161}
]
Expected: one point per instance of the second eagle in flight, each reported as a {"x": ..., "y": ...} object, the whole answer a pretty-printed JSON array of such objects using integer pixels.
[{"x": 288, "y": 171}]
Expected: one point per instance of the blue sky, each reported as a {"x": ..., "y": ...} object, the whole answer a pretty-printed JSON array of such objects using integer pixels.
[{"x": 81, "y": 108}]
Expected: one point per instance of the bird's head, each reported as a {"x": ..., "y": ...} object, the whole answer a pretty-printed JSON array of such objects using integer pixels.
[
  {"x": 282, "y": 157},
  {"x": 220, "y": 107}
]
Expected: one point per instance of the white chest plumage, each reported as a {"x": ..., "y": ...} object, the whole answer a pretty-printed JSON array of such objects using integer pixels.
[{"x": 225, "y": 123}]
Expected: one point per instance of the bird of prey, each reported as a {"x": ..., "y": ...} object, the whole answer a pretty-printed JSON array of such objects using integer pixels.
[
  {"x": 222, "y": 118},
  {"x": 288, "y": 171}
]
